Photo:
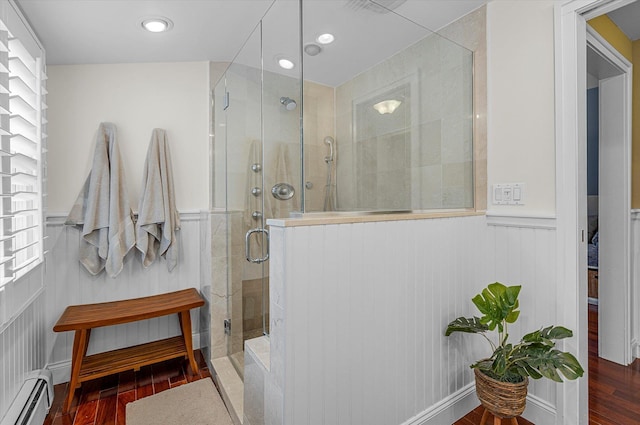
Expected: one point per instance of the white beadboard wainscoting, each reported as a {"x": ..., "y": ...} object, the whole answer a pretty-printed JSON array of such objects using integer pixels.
[
  {"x": 358, "y": 313},
  {"x": 69, "y": 283},
  {"x": 635, "y": 283},
  {"x": 22, "y": 347}
]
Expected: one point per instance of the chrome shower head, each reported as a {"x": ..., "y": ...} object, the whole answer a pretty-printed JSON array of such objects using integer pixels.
[{"x": 289, "y": 104}]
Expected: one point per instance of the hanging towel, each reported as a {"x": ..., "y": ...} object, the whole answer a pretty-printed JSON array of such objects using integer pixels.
[
  {"x": 158, "y": 218},
  {"x": 102, "y": 211}
]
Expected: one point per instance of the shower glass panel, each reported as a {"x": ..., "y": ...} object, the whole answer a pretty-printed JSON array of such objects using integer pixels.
[
  {"x": 244, "y": 195},
  {"x": 380, "y": 119},
  {"x": 397, "y": 101},
  {"x": 257, "y": 113}
]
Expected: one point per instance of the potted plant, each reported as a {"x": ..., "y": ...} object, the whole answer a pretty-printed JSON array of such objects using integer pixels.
[{"x": 502, "y": 379}]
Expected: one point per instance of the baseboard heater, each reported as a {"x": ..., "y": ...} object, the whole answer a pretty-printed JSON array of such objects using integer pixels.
[{"x": 31, "y": 405}]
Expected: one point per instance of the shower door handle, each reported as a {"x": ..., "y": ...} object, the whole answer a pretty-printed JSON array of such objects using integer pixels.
[{"x": 247, "y": 246}]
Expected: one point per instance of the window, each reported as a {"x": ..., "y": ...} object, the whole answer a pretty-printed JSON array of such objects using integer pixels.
[{"x": 22, "y": 134}]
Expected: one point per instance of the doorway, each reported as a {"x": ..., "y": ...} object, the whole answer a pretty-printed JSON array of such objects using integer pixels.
[{"x": 609, "y": 246}]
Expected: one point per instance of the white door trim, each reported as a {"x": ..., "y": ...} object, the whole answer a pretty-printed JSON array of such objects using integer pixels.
[
  {"x": 615, "y": 305},
  {"x": 570, "y": 75}
]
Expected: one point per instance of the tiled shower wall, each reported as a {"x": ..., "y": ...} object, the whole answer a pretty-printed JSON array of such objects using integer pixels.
[
  {"x": 442, "y": 156},
  {"x": 358, "y": 313}
]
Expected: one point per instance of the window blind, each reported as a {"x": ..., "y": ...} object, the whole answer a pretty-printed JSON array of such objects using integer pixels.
[{"x": 22, "y": 135}]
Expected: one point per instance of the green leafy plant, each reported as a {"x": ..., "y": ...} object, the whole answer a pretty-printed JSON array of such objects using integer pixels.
[{"x": 535, "y": 355}]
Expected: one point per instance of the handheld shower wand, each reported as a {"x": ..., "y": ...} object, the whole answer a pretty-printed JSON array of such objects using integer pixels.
[
  {"x": 329, "y": 202},
  {"x": 329, "y": 141}
]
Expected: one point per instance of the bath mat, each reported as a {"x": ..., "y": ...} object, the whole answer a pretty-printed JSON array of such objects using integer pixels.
[{"x": 196, "y": 403}]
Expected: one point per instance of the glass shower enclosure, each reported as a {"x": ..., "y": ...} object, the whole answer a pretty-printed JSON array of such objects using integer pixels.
[
  {"x": 257, "y": 118},
  {"x": 379, "y": 119}
]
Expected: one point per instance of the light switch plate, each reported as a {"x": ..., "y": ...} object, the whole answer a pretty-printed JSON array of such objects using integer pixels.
[{"x": 508, "y": 194}]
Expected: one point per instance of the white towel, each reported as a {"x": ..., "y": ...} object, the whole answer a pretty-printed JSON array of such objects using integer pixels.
[
  {"x": 102, "y": 211},
  {"x": 158, "y": 218}
]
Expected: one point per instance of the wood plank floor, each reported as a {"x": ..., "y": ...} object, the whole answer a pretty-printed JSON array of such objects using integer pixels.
[
  {"x": 614, "y": 390},
  {"x": 102, "y": 401}
]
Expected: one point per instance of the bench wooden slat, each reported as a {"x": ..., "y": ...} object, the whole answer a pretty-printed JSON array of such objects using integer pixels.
[
  {"x": 88, "y": 316},
  {"x": 110, "y": 362}
]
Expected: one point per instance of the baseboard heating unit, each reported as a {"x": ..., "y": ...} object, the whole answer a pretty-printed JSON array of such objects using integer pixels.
[{"x": 31, "y": 405}]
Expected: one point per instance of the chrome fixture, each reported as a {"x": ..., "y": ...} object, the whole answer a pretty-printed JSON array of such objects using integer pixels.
[
  {"x": 282, "y": 191},
  {"x": 256, "y": 191},
  {"x": 247, "y": 246},
  {"x": 308, "y": 185},
  {"x": 329, "y": 191},
  {"x": 256, "y": 168},
  {"x": 256, "y": 215},
  {"x": 289, "y": 104},
  {"x": 312, "y": 49},
  {"x": 329, "y": 141}
]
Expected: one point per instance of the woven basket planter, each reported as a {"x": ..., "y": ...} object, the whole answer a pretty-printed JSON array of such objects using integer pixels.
[{"x": 502, "y": 399}]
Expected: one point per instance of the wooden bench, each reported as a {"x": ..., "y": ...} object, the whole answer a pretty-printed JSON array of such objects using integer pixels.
[{"x": 83, "y": 318}]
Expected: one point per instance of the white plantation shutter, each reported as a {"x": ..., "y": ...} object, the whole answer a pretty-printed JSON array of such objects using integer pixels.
[{"x": 22, "y": 135}]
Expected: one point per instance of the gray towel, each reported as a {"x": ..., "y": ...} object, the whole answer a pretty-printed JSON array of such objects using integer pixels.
[
  {"x": 102, "y": 210},
  {"x": 158, "y": 218}
]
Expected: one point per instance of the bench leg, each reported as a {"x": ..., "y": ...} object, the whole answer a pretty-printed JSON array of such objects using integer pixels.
[
  {"x": 80, "y": 344},
  {"x": 185, "y": 325}
]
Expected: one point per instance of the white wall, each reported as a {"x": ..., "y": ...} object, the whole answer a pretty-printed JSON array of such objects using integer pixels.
[
  {"x": 521, "y": 108},
  {"x": 358, "y": 313},
  {"x": 137, "y": 98},
  {"x": 68, "y": 283}
]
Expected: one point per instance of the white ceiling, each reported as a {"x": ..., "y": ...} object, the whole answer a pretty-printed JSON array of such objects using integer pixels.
[
  {"x": 109, "y": 31},
  {"x": 627, "y": 18}
]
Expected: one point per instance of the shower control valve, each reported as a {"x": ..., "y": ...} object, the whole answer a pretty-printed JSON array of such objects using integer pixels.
[
  {"x": 256, "y": 191},
  {"x": 256, "y": 168}
]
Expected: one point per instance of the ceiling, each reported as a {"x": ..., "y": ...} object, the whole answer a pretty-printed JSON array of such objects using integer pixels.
[
  {"x": 109, "y": 31},
  {"x": 627, "y": 18}
]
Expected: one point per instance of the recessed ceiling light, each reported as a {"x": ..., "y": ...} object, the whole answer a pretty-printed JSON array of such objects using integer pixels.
[
  {"x": 157, "y": 24},
  {"x": 285, "y": 63},
  {"x": 325, "y": 38}
]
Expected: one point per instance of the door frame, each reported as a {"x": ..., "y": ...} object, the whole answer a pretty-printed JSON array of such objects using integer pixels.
[
  {"x": 570, "y": 72},
  {"x": 620, "y": 294}
]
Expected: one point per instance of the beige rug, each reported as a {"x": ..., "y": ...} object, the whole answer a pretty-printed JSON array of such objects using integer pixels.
[{"x": 197, "y": 403}]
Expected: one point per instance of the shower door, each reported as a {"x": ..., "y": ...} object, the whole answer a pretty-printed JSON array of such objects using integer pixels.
[
  {"x": 247, "y": 241},
  {"x": 257, "y": 113}
]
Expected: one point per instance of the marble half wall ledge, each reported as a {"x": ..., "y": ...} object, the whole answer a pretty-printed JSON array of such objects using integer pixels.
[{"x": 322, "y": 218}]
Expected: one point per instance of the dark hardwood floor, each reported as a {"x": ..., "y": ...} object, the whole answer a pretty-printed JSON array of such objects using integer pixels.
[
  {"x": 102, "y": 401},
  {"x": 614, "y": 391}
]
